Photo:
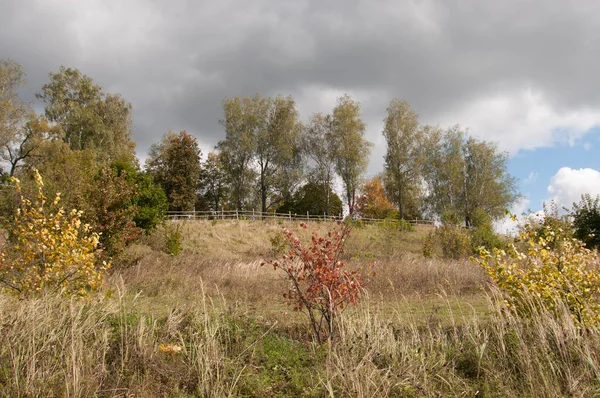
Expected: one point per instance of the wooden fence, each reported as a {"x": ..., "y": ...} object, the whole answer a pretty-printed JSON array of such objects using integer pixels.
[{"x": 256, "y": 216}]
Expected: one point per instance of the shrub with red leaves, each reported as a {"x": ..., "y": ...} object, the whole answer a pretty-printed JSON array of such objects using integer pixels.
[{"x": 319, "y": 283}]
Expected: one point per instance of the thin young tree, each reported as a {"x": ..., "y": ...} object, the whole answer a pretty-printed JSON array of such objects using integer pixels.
[
  {"x": 350, "y": 148},
  {"x": 402, "y": 159}
]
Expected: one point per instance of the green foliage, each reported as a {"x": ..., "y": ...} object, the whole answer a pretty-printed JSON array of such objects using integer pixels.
[
  {"x": 454, "y": 241},
  {"x": 49, "y": 249},
  {"x": 264, "y": 132},
  {"x": 482, "y": 233},
  {"x": 402, "y": 159},
  {"x": 150, "y": 202},
  {"x": 393, "y": 223},
  {"x": 586, "y": 220},
  {"x": 173, "y": 238},
  {"x": 113, "y": 213},
  {"x": 89, "y": 118},
  {"x": 174, "y": 163},
  {"x": 313, "y": 198},
  {"x": 213, "y": 187},
  {"x": 317, "y": 147},
  {"x": 350, "y": 149},
  {"x": 106, "y": 193},
  {"x": 465, "y": 175},
  {"x": 279, "y": 243},
  {"x": 547, "y": 268}
]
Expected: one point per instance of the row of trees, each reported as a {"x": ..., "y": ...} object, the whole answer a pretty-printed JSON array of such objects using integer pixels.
[
  {"x": 443, "y": 173},
  {"x": 272, "y": 161},
  {"x": 268, "y": 159}
]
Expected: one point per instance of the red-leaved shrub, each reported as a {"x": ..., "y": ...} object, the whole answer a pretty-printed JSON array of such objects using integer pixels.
[{"x": 319, "y": 282}]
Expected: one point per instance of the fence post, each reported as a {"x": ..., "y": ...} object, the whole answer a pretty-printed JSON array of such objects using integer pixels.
[
  {"x": 290, "y": 215},
  {"x": 252, "y": 214},
  {"x": 237, "y": 217},
  {"x": 307, "y": 216}
]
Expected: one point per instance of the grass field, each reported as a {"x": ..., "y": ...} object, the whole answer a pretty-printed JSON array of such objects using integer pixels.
[{"x": 211, "y": 322}]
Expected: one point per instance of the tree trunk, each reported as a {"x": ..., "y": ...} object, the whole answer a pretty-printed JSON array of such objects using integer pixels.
[{"x": 263, "y": 194}]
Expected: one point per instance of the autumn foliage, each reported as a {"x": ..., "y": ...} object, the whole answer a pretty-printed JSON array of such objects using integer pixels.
[
  {"x": 49, "y": 249},
  {"x": 547, "y": 268},
  {"x": 376, "y": 204},
  {"x": 319, "y": 282}
]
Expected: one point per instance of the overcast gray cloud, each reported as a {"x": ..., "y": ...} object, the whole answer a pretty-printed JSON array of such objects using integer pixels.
[{"x": 522, "y": 73}]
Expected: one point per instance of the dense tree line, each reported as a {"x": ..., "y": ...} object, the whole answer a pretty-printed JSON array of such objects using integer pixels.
[{"x": 268, "y": 160}]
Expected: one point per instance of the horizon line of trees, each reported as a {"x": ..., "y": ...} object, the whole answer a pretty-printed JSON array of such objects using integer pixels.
[{"x": 267, "y": 160}]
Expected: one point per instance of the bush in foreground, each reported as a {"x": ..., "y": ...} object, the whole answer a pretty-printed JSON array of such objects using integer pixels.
[
  {"x": 544, "y": 268},
  {"x": 318, "y": 282},
  {"x": 49, "y": 249}
]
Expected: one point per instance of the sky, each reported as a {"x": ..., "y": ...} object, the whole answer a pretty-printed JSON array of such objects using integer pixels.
[{"x": 520, "y": 73}]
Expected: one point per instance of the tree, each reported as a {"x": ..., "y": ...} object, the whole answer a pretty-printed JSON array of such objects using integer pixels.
[
  {"x": 26, "y": 141},
  {"x": 111, "y": 198},
  {"x": 350, "y": 148},
  {"x": 317, "y": 146},
  {"x": 465, "y": 175},
  {"x": 312, "y": 198},
  {"x": 546, "y": 269},
  {"x": 443, "y": 170},
  {"x": 586, "y": 220},
  {"x": 488, "y": 187},
  {"x": 148, "y": 199},
  {"x": 175, "y": 165},
  {"x": 262, "y": 139},
  {"x": 276, "y": 143},
  {"x": 375, "y": 203},
  {"x": 214, "y": 181},
  {"x": 89, "y": 118},
  {"x": 20, "y": 128},
  {"x": 402, "y": 159},
  {"x": 105, "y": 193},
  {"x": 13, "y": 111},
  {"x": 244, "y": 117}
]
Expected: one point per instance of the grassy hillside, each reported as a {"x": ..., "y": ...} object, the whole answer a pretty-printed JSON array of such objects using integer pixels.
[{"x": 210, "y": 322}]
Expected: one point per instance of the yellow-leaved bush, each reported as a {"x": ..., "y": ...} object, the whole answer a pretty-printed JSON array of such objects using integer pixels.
[
  {"x": 49, "y": 249},
  {"x": 546, "y": 267}
]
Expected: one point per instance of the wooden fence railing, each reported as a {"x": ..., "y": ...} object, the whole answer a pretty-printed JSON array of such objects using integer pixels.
[{"x": 256, "y": 215}]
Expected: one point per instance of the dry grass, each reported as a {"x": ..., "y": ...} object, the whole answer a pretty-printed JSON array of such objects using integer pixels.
[{"x": 427, "y": 328}]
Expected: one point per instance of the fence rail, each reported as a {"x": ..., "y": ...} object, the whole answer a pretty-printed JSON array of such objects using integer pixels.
[{"x": 256, "y": 215}]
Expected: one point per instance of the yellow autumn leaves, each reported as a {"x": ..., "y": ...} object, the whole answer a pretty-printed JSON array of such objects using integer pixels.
[
  {"x": 545, "y": 267},
  {"x": 49, "y": 250}
]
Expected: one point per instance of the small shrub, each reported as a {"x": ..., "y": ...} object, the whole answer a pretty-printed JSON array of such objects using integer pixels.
[
  {"x": 319, "y": 284},
  {"x": 455, "y": 241},
  {"x": 428, "y": 243},
  {"x": 586, "y": 220},
  {"x": 49, "y": 249},
  {"x": 482, "y": 233},
  {"x": 173, "y": 238},
  {"x": 279, "y": 243},
  {"x": 544, "y": 268}
]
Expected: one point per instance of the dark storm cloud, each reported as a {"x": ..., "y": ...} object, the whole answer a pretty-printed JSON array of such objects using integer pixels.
[{"x": 175, "y": 61}]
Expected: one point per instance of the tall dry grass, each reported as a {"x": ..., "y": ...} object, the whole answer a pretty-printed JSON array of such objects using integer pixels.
[
  {"x": 56, "y": 347},
  {"x": 210, "y": 323}
]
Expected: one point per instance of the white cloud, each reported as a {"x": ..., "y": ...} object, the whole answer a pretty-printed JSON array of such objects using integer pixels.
[
  {"x": 523, "y": 119},
  {"x": 567, "y": 185}
]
